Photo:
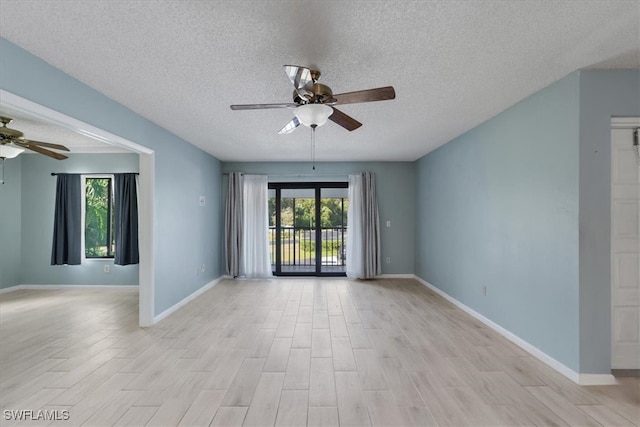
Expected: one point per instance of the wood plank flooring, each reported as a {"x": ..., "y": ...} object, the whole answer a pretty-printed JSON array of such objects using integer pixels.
[{"x": 284, "y": 352}]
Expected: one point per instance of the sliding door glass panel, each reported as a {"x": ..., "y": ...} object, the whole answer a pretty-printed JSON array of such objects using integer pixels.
[
  {"x": 272, "y": 227},
  {"x": 334, "y": 204},
  {"x": 298, "y": 230}
]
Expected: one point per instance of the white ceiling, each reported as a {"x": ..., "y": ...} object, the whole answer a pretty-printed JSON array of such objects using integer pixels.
[{"x": 454, "y": 64}]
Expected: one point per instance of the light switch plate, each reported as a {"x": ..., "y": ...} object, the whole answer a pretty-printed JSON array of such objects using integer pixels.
[{"x": 202, "y": 201}]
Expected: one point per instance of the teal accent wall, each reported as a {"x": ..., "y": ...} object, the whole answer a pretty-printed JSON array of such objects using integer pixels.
[
  {"x": 498, "y": 207},
  {"x": 38, "y": 201},
  {"x": 396, "y": 189},
  {"x": 10, "y": 222},
  {"x": 603, "y": 95},
  {"x": 185, "y": 235}
]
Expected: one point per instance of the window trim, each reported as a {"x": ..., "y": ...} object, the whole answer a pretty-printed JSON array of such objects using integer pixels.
[{"x": 83, "y": 214}]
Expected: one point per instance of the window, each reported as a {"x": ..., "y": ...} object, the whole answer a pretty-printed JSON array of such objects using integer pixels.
[{"x": 98, "y": 217}]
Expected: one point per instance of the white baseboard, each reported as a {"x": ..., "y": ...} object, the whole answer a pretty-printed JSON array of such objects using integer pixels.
[
  {"x": 75, "y": 287},
  {"x": 10, "y": 289},
  {"x": 581, "y": 379},
  {"x": 396, "y": 276},
  {"x": 597, "y": 379},
  {"x": 186, "y": 300}
]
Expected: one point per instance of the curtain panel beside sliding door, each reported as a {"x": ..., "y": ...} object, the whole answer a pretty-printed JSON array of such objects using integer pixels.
[
  {"x": 255, "y": 261},
  {"x": 247, "y": 227},
  {"x": 363, "y": 244},
  {"x": 233, "y": 225}
]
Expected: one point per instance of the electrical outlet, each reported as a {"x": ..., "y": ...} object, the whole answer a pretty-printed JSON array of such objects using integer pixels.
[
  {"x": 484, "y": 290},
  {"x": 107, "y": 268},
  {"x": 388, "y": 260},
  {"x": 388, "y": 223},
  {"x": 202, "y": 268}
]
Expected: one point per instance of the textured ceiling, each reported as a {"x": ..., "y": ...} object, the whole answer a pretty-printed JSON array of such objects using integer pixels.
[{"x": 454, "y": 64}]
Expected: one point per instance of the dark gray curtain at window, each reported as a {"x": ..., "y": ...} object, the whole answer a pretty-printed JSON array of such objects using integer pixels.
[
  {"x": 125, "y": 218},
  {"x": 233, "y": 230},
  {"x": 67, "y": 223}
]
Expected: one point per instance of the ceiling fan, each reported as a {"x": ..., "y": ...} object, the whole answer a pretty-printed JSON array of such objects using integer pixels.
[
  {"x": 12, "y": 143},
  {"x": 314, "y": 103}
]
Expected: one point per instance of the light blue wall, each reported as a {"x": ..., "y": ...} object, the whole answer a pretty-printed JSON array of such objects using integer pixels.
[
  {"x": 498, "y": 207},
  {"x": 185, "y": 236},
  {"x": 10, "y": 223},
  {"x": 190, "y": 235},
  {"x": 38, "y": 199},
  {"x": 396, "y": 188},
  {"x": 603, "y": 94}
]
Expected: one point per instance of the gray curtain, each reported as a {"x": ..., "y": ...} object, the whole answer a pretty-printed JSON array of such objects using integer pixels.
[
  {"x": 233, "y": 230},
  {"x": 363, "y": 244},
  {"x": 66, "y": 248},
  {"x": 371, "y": 227},
  {"x": 125, "y": 206}
]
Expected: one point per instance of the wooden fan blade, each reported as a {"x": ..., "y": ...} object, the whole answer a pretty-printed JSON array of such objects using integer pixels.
[
  {"x": 378, "y": 94},
  {"x": 41, "y": 150},
  {"x": 262, "y": 106},
  {"x": 347, "y": 122},
  {"x": 45, "y": 144},
  {"x": 300, "y": 76},
  {"x": 290, "y": 127}
]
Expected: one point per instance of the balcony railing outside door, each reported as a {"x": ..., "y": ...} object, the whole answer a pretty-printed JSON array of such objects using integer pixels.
[{"x": 298, "y": 246}]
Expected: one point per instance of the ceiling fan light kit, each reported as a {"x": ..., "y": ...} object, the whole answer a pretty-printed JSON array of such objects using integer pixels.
[
  {"x": 313, "y": 114},
  {"x": 9, "y": 151}
]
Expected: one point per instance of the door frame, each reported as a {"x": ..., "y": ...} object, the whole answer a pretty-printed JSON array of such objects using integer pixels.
[
  {"x": 317, "y": 186},
  {"x": 616, "y": 123}
]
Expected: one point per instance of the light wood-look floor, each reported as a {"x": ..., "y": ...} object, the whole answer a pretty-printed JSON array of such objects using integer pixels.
[{"x": 283, "y": 352}]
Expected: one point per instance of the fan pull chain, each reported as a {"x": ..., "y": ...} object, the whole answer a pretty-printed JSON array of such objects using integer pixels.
[
  {"x": 313, "y": 146},
  {"x": 2, "y": 167}
]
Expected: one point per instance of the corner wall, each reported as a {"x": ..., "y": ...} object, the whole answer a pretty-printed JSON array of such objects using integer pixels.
[{"x": 498, "y": 207}]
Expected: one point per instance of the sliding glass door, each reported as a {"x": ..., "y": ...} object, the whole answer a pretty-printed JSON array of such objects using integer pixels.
[{"x": 308, "y": 228}]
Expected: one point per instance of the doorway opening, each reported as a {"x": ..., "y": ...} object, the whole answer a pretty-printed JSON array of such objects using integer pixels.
[
  {"x": 146, "y": 186},
  {"x": 308, "y": 228}
]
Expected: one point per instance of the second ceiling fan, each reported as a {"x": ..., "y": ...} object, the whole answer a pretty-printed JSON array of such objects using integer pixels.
[
  {"x": 314, "y": 102},
  {"x": 13, "y": 142}
]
